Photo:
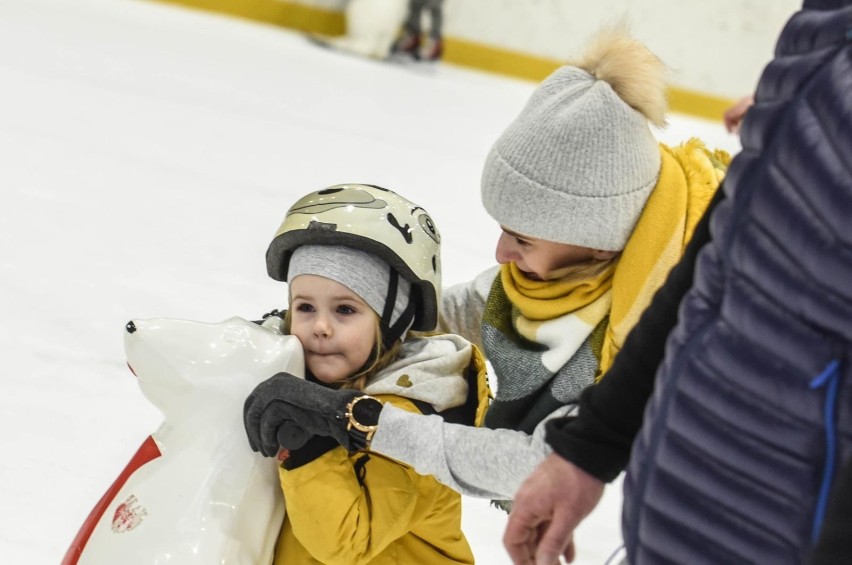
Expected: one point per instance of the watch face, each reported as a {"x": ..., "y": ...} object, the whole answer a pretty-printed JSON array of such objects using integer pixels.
[{"x": 365, "y": 413}]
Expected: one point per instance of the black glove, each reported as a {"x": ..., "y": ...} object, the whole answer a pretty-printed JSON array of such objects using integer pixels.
[
  {"x": 279, "y": 407},
  {"x": 291, "y": 435}
]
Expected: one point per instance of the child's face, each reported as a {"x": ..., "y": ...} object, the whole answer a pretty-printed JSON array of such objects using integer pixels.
[
  {"x": 337, "y": 329},
  {"x": 536, "y": 258}
]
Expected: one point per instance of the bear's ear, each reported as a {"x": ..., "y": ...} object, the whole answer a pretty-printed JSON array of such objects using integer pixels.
[{"x": 274, "y": 324}]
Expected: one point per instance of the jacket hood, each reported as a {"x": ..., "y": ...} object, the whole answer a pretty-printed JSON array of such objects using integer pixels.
[{"x": 430, "y": 369}]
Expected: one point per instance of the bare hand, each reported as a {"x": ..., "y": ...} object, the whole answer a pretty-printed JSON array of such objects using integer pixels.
[
  {"x": 550, "y": 504},
  {"x": 733, "y": 116}
]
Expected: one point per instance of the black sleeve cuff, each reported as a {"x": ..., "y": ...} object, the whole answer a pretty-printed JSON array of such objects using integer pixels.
[
  {"x": 314, "y": 448},
  {"x": 601, "y": 457}
]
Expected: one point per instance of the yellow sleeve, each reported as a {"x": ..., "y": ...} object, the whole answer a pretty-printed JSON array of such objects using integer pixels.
[{"x": 340, "y": 520}]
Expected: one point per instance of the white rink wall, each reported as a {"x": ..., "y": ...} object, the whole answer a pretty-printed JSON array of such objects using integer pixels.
[{"x": 716, "y": 47}]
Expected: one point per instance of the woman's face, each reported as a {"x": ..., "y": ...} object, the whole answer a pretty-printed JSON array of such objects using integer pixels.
[
  {"x": 337, "y": 329},
  {"x": 536, "y": 258}
]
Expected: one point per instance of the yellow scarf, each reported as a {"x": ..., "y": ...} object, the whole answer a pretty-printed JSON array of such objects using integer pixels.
[
  {"x": 689, "y": 176},
  {"x": 544, "y": 300}
]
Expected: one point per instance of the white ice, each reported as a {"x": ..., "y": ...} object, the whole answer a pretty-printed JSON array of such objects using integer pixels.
[{"x": 147, "y": 154}]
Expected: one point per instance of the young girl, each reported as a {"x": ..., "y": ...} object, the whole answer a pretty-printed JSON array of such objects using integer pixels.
[
  {"x": 594, "y": 213},
  {"x": 363, "y": 267}
]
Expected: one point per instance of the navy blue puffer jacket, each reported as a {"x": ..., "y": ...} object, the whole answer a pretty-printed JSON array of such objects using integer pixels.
[{"x": 752, "y": 411}]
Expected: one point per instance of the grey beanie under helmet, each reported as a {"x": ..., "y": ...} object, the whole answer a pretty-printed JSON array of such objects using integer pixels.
[{"x": 366, "y": 275}]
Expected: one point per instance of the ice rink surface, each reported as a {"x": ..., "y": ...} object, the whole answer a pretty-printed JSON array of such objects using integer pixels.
[{"x": 147, "y": 154}]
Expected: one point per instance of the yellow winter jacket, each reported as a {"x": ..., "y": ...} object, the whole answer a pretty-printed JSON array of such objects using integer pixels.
[
  {"x": 366, "y": 508},
  {"x": 392, "y": 516}
]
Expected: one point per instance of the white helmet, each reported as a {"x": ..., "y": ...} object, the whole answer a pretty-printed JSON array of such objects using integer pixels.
[{"x": 376, "y": 220}]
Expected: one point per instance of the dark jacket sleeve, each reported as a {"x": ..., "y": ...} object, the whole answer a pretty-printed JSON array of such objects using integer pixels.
[{"x": 600, "y": 438}]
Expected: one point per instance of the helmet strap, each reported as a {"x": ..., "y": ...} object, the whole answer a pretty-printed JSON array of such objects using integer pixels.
[
  {"x": 390, "y": 333},
  {"x": 395, "y": 332}
]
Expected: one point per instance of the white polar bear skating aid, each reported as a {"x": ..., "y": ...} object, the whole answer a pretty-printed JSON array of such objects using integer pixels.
[{"x": 194, "y": 493}]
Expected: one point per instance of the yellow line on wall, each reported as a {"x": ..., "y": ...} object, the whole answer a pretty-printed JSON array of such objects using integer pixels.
[
  {"x": 460, "y": 52},
  {"x": 286, "y": 14}
]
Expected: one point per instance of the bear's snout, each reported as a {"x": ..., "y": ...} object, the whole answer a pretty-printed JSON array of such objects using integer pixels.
[{"x": 130, "y": 327}]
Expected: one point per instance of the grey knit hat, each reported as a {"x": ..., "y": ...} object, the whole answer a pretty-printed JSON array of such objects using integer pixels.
[
  {"x": 364, "y": 274},
  {"x": 576, "y": 166}
]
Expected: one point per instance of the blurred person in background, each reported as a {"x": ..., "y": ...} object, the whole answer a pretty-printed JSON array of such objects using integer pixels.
[{"x": 412, "y": 41}]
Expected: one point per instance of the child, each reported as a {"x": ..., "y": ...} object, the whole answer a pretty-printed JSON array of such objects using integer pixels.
[
  {"x": 363, "y": 267},
  {"x": 594, "y": 213}
]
